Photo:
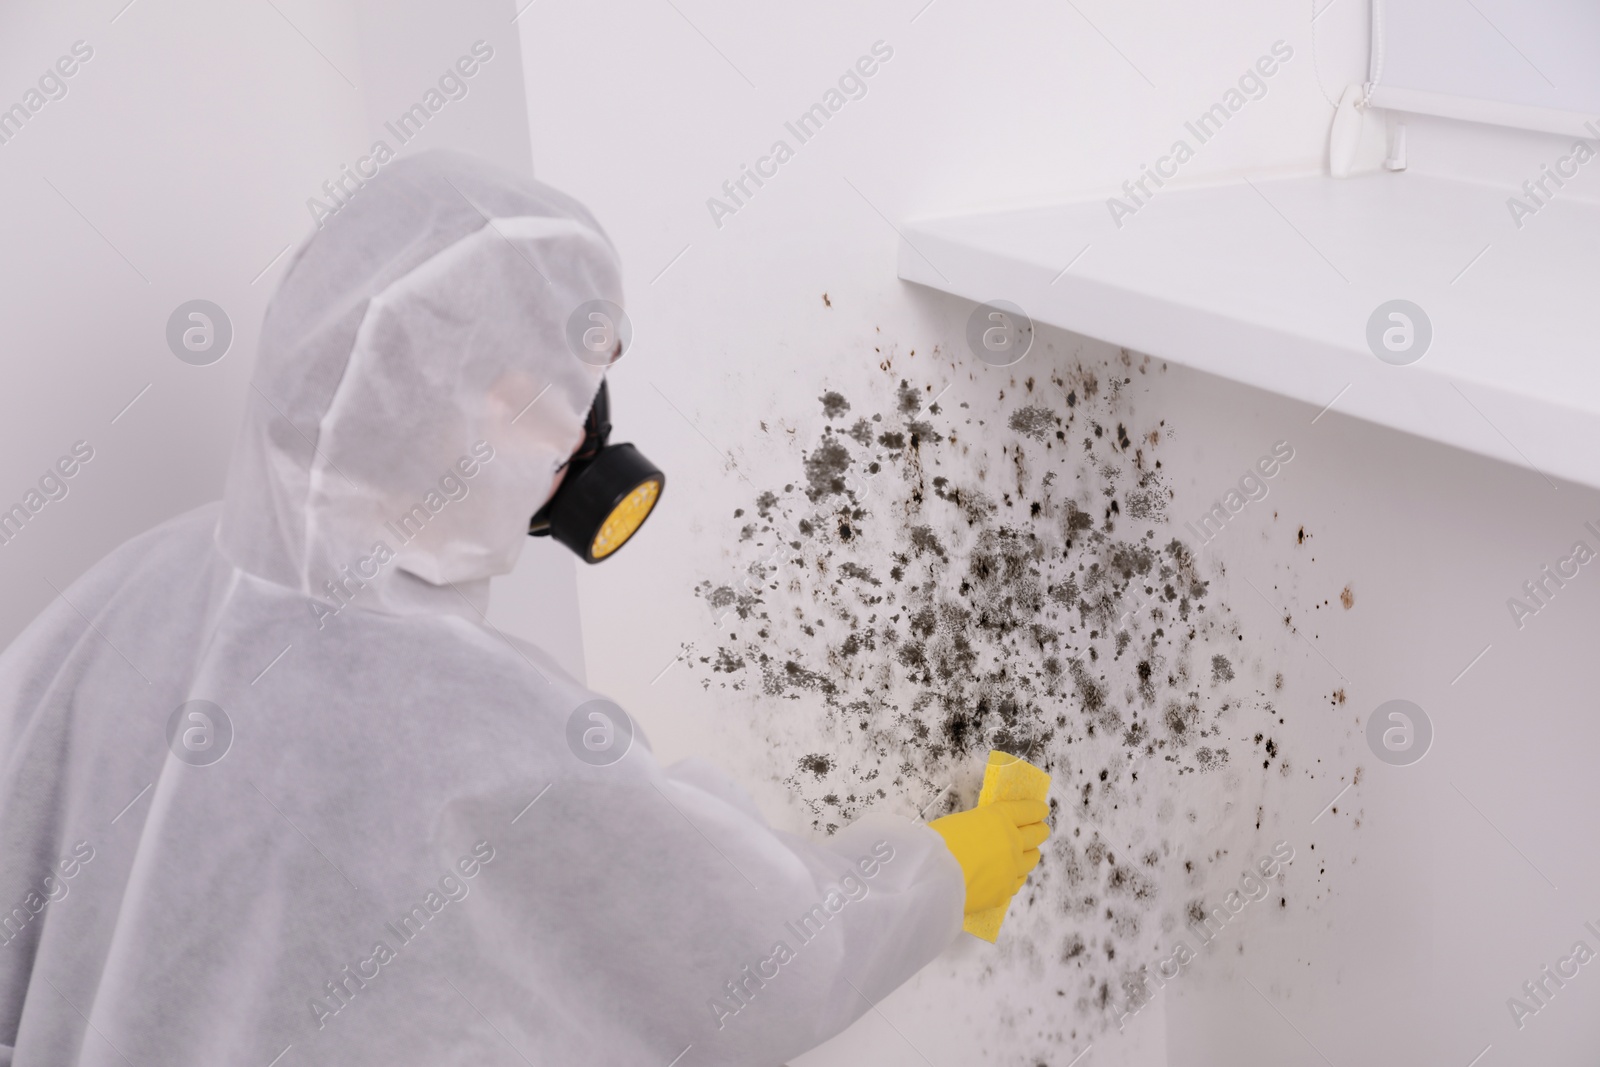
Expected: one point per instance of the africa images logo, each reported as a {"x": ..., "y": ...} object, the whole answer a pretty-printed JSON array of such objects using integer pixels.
[
  {"x": 807, "y": 928},
  {"x": 340, "y": 990},
  {"x": 352, "y": 578},
  {"x": 453, "y": 85}
]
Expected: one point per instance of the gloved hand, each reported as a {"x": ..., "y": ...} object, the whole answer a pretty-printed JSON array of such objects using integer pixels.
[{"x": 997, "y": 845}]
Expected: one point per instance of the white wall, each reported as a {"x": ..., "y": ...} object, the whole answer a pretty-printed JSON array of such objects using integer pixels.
[
  {"x": 177, "y": 167},
  {"x": 1414, "y": 918}
]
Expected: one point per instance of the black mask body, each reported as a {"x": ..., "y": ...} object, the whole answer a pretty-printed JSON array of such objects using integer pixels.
[{"x": 607, "y": 494}]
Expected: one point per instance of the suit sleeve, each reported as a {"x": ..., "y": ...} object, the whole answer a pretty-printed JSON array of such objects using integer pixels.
[{"x": 655, "y": 910}]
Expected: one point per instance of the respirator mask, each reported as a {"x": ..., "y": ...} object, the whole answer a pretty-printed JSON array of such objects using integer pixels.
[{"x": 607, "y": 494}]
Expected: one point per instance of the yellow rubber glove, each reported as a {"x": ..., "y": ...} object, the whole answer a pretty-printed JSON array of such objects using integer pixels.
[{"x": 997, "y": 845}]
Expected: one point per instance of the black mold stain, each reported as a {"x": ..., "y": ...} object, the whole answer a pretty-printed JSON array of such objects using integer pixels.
[
  {"x": 825, "y": 470},
  {"x": 817, "y": 764},
  {"x": 1036, "y": 422},
  {"x": 908, "y": 399},
  {"x": 834, "y": 404},
  {"x": 944, "y": 583}
]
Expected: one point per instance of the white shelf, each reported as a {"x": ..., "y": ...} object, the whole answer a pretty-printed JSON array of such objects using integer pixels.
[{"x": 1272, "y": 284}]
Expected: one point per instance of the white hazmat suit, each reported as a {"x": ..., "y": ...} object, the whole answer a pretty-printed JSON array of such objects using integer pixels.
[{"x": 417, "y": 846}]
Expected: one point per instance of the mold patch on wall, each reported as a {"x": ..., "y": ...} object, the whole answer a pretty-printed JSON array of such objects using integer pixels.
[{"x": 933, "y": 566}]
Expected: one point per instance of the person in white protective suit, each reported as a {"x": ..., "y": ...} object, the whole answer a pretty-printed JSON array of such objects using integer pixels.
[{"x": 274, "y": 792}]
